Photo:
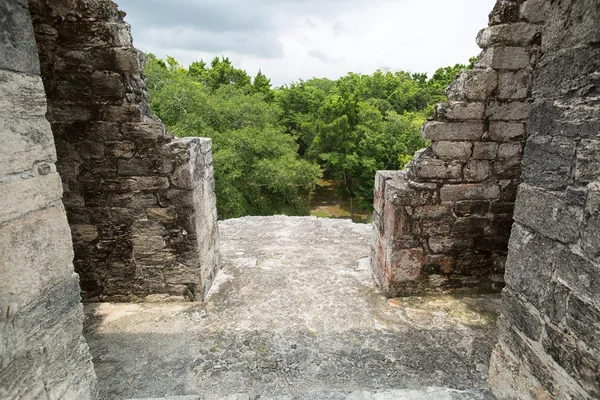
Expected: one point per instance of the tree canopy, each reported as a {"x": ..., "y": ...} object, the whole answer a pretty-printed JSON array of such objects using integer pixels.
[{"x": 270, "y": 146}]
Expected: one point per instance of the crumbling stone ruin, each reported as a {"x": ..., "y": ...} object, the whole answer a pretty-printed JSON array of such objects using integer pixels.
[
  {"x": 99, "y": 201},
  {"x": 141, "y": 205},
  {"x": 444, "y": 222}
]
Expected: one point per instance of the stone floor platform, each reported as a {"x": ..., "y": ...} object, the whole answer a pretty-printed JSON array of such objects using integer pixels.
[{"x": 295, "y": 314}]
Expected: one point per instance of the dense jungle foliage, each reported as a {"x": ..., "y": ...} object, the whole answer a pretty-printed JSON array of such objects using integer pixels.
[{"x": 271, "y": 146}]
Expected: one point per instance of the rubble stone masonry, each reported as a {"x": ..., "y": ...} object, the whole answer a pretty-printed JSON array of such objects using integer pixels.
[
  {"x": 141, "y": 205},
  {"x": 549, "y": 344},
  {"x": 43, "y": 354},
  {"x": 443, "y": 223}
]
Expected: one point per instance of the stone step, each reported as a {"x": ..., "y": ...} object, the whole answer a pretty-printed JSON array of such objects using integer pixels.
[{"x": 432, "y": 393}]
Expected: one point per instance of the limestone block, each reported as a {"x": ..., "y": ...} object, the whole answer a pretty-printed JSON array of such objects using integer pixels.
[
  {"x": 515, "y": 34},
  {"x": 506, "y": 131},
  {"x": 469, "y": 191},
  {"x": 577, "y": 272},
  {"x": 547, "y": 214},
  {"x": 468, "y": 208},
  {"x": 459, "y": 110},
  {"x": 437, "y": 130},
  {"x": 26, "y": 141},
  {"x": 548, "y": 161},
  {"x": 40, "y": 245},
  {"x": 521, "y": 314},
  {"x": 149, "y": 129},
  {"x": 560, "y": 118},
  {"x": 21, "y": 94},
  {"x": 580, "y": 363},
  {"x": 433, "y": 168},
  {"x": 473, "y": 85},
  {"x": 121, "y": 149},
  {"x": 587, "y": 166},
  {"x": 510, "y": 150},
  {"x": 19, "y": 51},
  {"x": 22, "y": 196},
  {"x": 582, "y": 320},
  {"x": 568, "y": 71},
  {"x": 148, "y": 183},
  {"x": 100, "y": 34},
  {"x": 570, "y": 25},
  {"x": 144, "y": 167},
  {"x": 453, "y": 150},
  {"x": 511, "y": 58},
  {"x": 514, "y": 84},
  {"x": 508, "y": 111},
  {"x": 530, "y": 264},
  {"x": 590, "y": 236},
  {"x": 534, "y": 10},
  {"x": 448, "y": 244},
  {"x": 407, "y": 264},
  {"x": 485, "y": 150},
  {"x": 477, "y": 170}
]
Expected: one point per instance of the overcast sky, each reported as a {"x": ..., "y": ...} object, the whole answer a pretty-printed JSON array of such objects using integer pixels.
[{"x": 300, "y": 39}]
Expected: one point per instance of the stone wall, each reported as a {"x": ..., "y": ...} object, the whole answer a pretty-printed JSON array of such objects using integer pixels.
[
  {"x": 42, "y": 351},
  {"x": 140, "y": 204},
  {"x": 550, "y": 326},
  {"x": 442, "y": 224}
]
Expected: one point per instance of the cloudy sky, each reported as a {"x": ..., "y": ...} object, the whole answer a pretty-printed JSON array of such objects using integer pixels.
[{"x": 299, "y": 39}]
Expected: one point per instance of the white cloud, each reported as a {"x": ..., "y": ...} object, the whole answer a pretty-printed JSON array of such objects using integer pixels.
[{"x": 294, "y": 40}]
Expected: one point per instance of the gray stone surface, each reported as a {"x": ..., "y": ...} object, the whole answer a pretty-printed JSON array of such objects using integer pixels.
[
  {"x": 42, "y": 351},
  {"x": 549, "y": 329},
  {"x": 295, "y": 314}
]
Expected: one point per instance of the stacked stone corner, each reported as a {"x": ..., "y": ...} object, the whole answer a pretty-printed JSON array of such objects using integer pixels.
[
  {"x": 442, "y": 224},
  {"x": 141, "y": 204}
]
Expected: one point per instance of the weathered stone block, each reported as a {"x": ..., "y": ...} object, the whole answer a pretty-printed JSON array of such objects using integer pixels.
[
  {"x": 19, "y": 197},
  {"x": 578, "y": 273},
  {"x": 506, "y": 131},
  {"x": 453, "y": 150},
  {"x": 485, "y": 150},
  {"x": 548, "y": 161},
  {"x": 534, "y": 10},
  {"x": 144, "y": 167},
  {"x": 470, "y": 225},
  {"x": 449, "y": 244},
  {"x": 433, "y": 168},
  {"x": 468, "y": 208},
  {"x": 473, "y": 85},
  {"x": 590, "y": 239},
  {"x": 569, "y": 71},
  {"x": 521, "y": 314},
  {"x": 21, "y": 94},
  {"x": 511, "y": 58},
  {"x": 459, "y": 110},
  {"x": 25, "y": 142},
  {"x": 508, "y": 111},
  {"x": 436, "y": 130},
  {"x": 407, "y": 264},
  {"x": 583, "y": 321},
  {"x": 514, "y": 85},
  {"x": 576, "y": 360},
  {"x": 477, "y": 171},
  {"x": 547, "y": 214},
  {"x": 530, "y": 264},
  {"x": 19, "y": 52},
  {"x": 515, "y": 34},
  {"x": 587, "y": 166},
  {"x": 469, "y": 191},
  {"x": 510, "y": 150},
  {"x": 40, "y": 239}
]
